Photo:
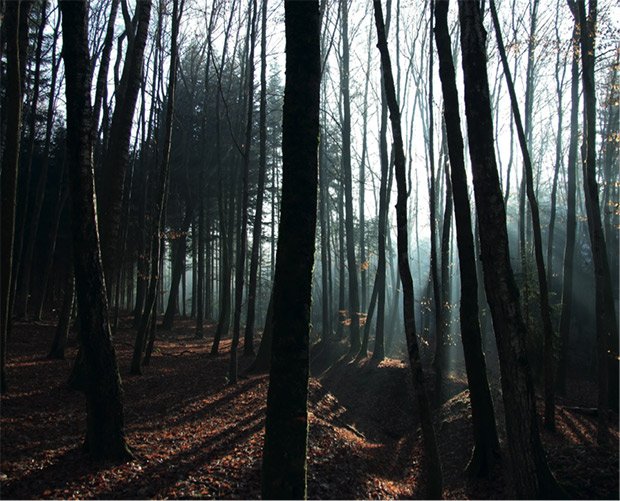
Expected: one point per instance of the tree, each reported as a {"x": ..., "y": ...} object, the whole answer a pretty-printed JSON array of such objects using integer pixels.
[
  {"x": 149, "y": 315},
  {"x": 530, "y": 472},
  {"x": 286, "y": 426},
  {"x": 543, "y": 286},
  {"x": 486, "y": 443},
  {"x": 354, "y": 302},
  {"x": 105, "y": 435},
  {"x": 117, "y": 156},
  {"x": 571, "y": 216},
  {"x": 434, "y": 478},
  {"x": 17, "y": 41},
  {"x": 606, "y": 323}
]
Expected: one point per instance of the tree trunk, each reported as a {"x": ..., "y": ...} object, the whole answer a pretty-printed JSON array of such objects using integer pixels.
[
  {"x": 531, "y": 475},
  {"x": 257, "y": 231},
  {"x": 23, "y": 265},
  {"x": 571, "y": 216},
  {"x": 606, "y": 323},
  {"x": 105, "y": 435},
  {"x": 486, "y": 444},
  {"x": 286, "y": 425},
  {"x": 61, "y": 335},
  {"x": 354, "y": 307},
  {"x": 16, "y": 19},
  {"x": 178, "y": 258},
  {"x": 149, "y": 314},
  {"x": 433, "y": 466},
  {"x": 545, "y": 309},
  {"x": 116, "y": 158},
  {"x": 243, "y": 236}
]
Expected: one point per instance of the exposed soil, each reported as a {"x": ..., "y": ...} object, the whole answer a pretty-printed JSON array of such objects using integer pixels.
[{"x": 195, "y": 436}]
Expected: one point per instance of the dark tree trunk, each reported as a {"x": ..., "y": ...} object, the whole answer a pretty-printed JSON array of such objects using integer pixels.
[
  {"x": 23, "y": 265},
  {"x": 16, "y": 26},
  {"x": 530, "y": 472},
  {"x": 486, "y": 444},
  {"x": 40, "y": 187},
  {"x": 433, "y": 466},
  {"x": 104, "y": 65},
  {"x": 606, "y": 323},
  {"x": 571, "y": 215},
  {"x": 105, "y": 435},
  {"x": 61, "y": 335},
  {"x": 150, "y": 309},
  {"x": 243, "y": 236},
  {"x": 545, "y": 309},
  {"x": 116, "y": 158},
  {"x": 248, "y": 344},
  {"x": 354, "y": 308},
  {"x": 178, "y": 259},
  {"x": 286, "y": 426},
  {"x": 262, "y": 362}
]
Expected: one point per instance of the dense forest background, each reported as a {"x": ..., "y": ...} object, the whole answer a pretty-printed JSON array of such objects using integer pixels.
[{"x": 169, "y": 212}]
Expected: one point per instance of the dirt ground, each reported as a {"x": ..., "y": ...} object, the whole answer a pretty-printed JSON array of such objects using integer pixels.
[{"x": 194, "y": 436}]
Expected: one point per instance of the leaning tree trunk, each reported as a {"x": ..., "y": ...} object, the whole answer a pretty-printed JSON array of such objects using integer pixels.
[
  {"x": 606, "y": 323},
  {"x": 105, "y": 435},
  {"x": 434, "y": 475},
  {"x": 16, "y": 27},
  {"x": 149, "y": 315},
  {"x": 571, "y": 215},
  {"x": 486, "y": 444},
  {"x": 117, "y": 156},
  {"x": 543, "y": 286},
  {"x": 531, "y": 475},
  {"x": 286, "y": 425}
]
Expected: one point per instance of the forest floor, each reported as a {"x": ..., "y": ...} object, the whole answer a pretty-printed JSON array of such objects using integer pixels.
[{"x": 195, "y": 436}]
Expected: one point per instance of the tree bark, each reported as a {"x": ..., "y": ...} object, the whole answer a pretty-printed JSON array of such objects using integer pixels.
[
  {"x": 16, "y": 19},
  {"x": 531, "y": 475},
  {"x": 545, "y": 309},
  {"x": 286, "y": 426},
  {"x": 433, "y": 466},
  {"x": 116, "y": 158},
  {"x": 149, "y": 315},
  {"x": 486, "y": 443},
  {"x": 105, "y": 435},
  {"x": 606, "y": 323},
  {"x": 571, "y": 215}
]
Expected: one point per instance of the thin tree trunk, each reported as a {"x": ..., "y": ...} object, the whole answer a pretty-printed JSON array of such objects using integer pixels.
[
  {"x": 16, "y": 26},
  {"x": 248, "y": 344},
  {"x": 354, "y": 307},
  {"x": 486, "y": 443},
  {"x": 57, "y": 351},
  {"x": 433, "y": 466},
  {"x": 116, "y": 158},
  {"x": 545, "y": 309},
  {"x": 149, "y": 314},
  {"x": 571, "y": 216}
]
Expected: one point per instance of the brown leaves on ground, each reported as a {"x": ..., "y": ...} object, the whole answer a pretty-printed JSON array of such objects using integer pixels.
[{"x": 195, "y": 436}]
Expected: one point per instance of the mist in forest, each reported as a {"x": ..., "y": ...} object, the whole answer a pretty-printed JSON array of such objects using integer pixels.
[{"x": 368, "y": 224}]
